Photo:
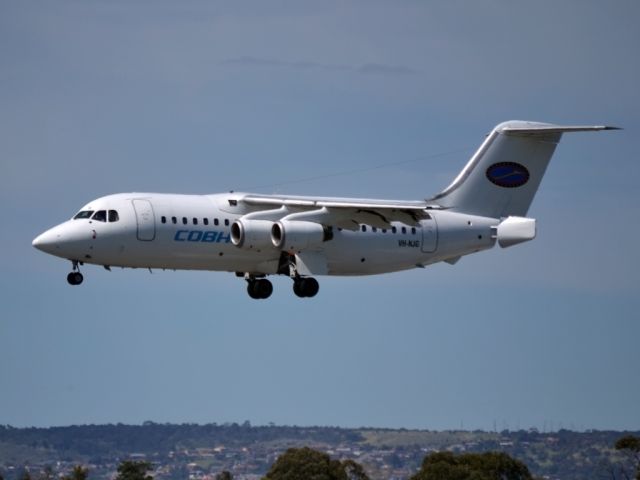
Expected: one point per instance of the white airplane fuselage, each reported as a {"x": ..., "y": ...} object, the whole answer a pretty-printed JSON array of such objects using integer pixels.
[
  {"x": 200, "y": 238},
  {"x": 256, "y": 235}
]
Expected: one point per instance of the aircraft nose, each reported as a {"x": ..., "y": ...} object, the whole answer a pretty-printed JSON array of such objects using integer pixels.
[{"x": 48, "y": 241}]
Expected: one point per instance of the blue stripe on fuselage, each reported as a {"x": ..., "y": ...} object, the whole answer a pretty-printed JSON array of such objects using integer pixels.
[{"x": 206, "y": 236}]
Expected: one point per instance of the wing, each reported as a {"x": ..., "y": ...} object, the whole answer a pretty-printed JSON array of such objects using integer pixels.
[{"x": 340, "y": 212}]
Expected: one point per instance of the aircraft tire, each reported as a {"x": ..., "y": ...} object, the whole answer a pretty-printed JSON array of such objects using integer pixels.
[
  {"x": 259, "y": 289},
  {"x": 75, "y": 278},
  {"x": 265, "y": 288},
  {"x": 306, "y": 287},
  {"x": 252, "y": 290},
  {"x": 310, "y": 287},
  {"x": 297, "y": 288}
]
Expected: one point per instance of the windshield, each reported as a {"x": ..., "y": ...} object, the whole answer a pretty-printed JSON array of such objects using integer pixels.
[
  {"x": 100, "y": 216},
  {"x": 83, "y": 214}
]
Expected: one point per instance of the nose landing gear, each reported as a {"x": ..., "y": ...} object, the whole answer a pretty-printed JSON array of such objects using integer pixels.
[{"x": 75, "y": 277}]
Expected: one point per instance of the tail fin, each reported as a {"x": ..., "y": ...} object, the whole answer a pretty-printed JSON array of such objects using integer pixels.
[{"x": 503, "y": 176}]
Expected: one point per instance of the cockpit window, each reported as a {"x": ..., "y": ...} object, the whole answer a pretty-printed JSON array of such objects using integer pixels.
[
  {"x": 113, "y": 216},
  {"x": 100, "y": 216},
  {"x": 83, "y": 214}
]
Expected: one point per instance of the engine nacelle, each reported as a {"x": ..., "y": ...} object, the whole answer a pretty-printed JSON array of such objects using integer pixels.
[
  {"x": 297, "y": 235},
  {"x": 251, "y": 234}
]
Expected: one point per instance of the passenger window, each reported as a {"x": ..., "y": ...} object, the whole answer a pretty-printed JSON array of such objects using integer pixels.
[
  {"x": 163, "y": 219},
  {"x": 384, "y": 230},
  {"x": 215, "y": 221},
  {"x": 226, "y": 222},
  {"x": 394, "y": 230},
  {"x": 174, "y": 220},
  {"x": 404, "y": 229},
  {"x": 413, "y": 230},
  {"x": 206, "y": 221},
  {"x": 364, "y": 228},
  {"x": 83, "y": 214},
  {"x": 184, "y": 220},
  {"x": 195, "y": 221},
  {"x": 374, "y": 229},
  {"x": 100, "y": 216}
]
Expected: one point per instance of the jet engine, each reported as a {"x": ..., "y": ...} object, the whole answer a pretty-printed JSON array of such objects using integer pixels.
[
  {"x": 251, "y": 234},
  {"x": 298, "y": 235}
]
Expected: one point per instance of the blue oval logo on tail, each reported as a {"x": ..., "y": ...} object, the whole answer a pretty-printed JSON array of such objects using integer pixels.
[{"x": 508, "y": 174}]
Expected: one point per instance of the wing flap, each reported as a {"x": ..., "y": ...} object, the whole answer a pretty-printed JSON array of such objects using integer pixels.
[
  {"x": 306, "y": 202},
  {"x": 342, "y": 212}
]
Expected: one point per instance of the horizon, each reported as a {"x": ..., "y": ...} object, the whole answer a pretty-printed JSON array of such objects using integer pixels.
[{"x": 248, "y": 424}]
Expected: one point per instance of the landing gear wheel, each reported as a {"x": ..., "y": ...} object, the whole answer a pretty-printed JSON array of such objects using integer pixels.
[
  {"x": 306, "y": 287},
  {"x": 259, "y": 289},
  {"x": 310, "y": 287},
  {"x": 252, "y": 290},
  {"x": 265, "y": 288},
  {"x": 75, "y": 278}
]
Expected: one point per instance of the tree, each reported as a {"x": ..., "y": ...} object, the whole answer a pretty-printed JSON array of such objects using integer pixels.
[
  {"x": 308, "y": 464},
  {"x": 472, "y": 466},
  {"x": 354, "y": 470},
  {"x": 130, "y": 470},
  {"x": 47, "y": 473},
  {"x": 25, "y": 475},
  {"x": 630, "y": 446},
  {"x": 78, "y": 473}
]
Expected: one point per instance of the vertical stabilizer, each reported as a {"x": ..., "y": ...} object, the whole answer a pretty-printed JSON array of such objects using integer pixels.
[{"x": 502, "y": 177}]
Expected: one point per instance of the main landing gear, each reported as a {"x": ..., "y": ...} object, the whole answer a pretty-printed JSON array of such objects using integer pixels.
[
  {"x": 75, "y": 277},
  {"x": 259, "y": 288},
  {"x": 305, "y": 287}
]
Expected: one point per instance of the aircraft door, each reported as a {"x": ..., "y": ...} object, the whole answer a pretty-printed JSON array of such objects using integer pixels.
[
  {"x": 429, "y": 235},
  {"x": 145, "y": 220}
]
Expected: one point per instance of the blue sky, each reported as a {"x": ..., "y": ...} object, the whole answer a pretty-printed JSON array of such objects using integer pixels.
[{"x": 200, "y": 97}]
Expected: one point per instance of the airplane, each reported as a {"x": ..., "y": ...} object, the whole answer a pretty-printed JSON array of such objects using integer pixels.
[{"x": 257, "y": 235}]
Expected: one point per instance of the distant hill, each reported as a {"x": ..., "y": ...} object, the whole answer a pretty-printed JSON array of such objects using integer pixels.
[{"x": 199, "y": 451}]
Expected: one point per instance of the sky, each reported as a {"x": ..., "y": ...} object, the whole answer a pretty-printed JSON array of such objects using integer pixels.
[{"x": 365, "y": 99}]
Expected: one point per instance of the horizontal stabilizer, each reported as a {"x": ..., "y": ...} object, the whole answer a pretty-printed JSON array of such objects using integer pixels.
[{"x": 531, "y": 127}]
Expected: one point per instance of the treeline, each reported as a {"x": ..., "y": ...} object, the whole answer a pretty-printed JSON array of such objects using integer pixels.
[
  {"x": 151, "y": 437},
  {"x": 120, "y": 439}
]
